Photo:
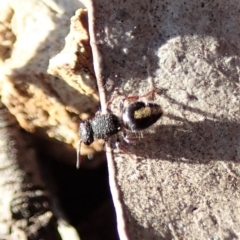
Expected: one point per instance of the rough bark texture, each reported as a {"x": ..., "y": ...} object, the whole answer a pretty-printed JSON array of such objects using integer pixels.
[
  {"x": 26, "y": 210},
  {"x": 181, "y": 179},
  {"x": 47, "y": 83}
]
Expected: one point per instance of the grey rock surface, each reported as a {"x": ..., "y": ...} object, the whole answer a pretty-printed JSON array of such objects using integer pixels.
[{"x": 181, "y": 179}]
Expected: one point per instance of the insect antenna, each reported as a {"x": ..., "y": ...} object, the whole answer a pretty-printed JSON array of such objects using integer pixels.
[{"x": 78, "y": 155}]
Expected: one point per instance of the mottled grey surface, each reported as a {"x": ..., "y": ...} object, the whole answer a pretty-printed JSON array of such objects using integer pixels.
[{"x": 181, "y": 180}]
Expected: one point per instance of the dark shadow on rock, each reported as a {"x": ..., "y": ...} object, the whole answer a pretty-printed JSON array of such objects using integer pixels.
[
  {"x": 136, "y": 55},
  {"x": 194, "y": 143}
]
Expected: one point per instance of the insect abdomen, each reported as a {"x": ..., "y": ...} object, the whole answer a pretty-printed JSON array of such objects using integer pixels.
[{"x": 140, "y": 115}]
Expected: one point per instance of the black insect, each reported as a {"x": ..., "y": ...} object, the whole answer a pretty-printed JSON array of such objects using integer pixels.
[{"x": 136, "y": 116}]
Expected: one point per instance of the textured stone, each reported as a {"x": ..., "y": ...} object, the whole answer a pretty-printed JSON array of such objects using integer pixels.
[{"x": 181, "y": 179}]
